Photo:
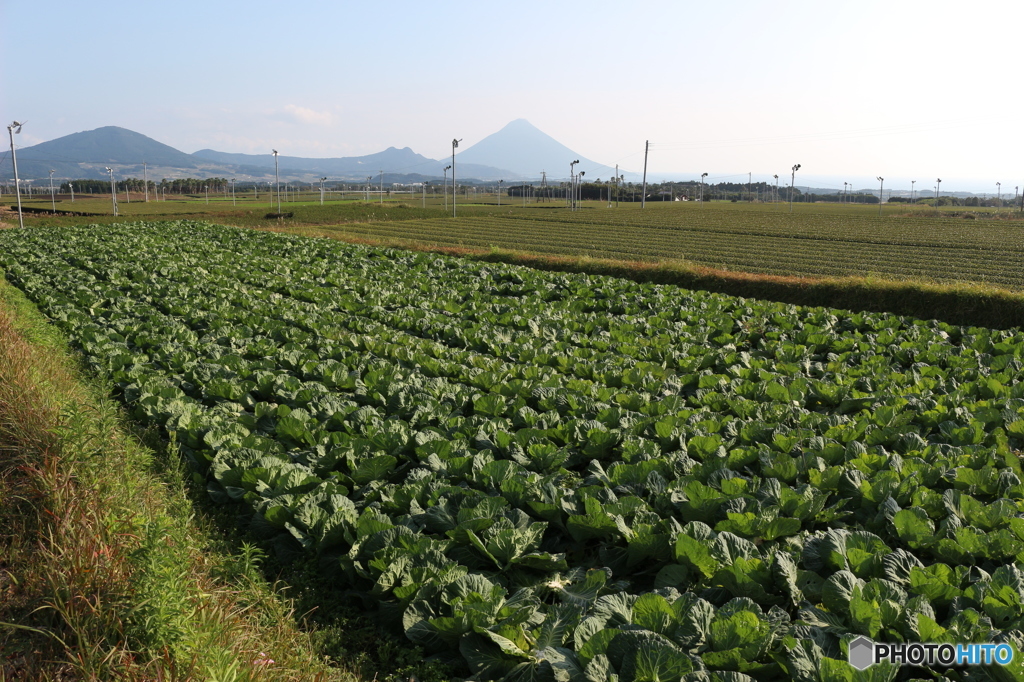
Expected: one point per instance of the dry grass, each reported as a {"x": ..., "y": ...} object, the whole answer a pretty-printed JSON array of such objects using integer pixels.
[{"x": 104, "y": 573}]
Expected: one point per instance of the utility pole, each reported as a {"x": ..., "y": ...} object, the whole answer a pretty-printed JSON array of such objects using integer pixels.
[
  {"x": 455, "y": 145},
  {"x": 938, "y": 184},
  {"x": 277, "y": 177},
  {"x": 792, "y": 181},
  {"x": 53, "y": 199},
  {"x": 113, "y": 191},
  {"x": 643, "y": 195},
  {"x": 145, "y": 180},
  {"x": 881, "y": 183},
  {"x": 382, "y": 188},
  {"x": 14, "y": 157},
  {"x": 749, "y": 197},
  {"x": 446, "y": 169}
]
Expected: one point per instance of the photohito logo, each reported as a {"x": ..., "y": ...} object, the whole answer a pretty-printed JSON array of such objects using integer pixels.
[{"x": 864, "y": 653}]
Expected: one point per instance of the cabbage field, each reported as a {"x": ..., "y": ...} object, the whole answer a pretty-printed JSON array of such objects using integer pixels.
[{"x": 544, "y": 476}]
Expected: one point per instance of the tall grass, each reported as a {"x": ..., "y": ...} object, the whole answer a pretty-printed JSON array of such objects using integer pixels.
[{"x": 105, "y": 570}]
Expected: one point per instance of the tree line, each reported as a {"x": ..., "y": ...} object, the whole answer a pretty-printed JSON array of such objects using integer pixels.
[{"x": 178, "y": 186}]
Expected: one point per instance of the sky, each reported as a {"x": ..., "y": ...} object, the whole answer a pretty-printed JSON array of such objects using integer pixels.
[{"x": 902, "y": 89}]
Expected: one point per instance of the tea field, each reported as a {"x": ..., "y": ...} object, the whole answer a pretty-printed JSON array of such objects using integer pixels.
[
  {"x": 549, "y": 476},
  {"x": 815, "y": 241}
]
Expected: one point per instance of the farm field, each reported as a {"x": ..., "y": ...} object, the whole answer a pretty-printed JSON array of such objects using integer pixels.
[
  {"x": 816, "y": 240},
  {"x": 827, "y": 241},
  {"x": 564, "y": 476}
]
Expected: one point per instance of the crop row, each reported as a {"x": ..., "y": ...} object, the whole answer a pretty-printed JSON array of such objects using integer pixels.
[
  {"x": 827, "y": 223},
  {"x": 556, "y": 476},
  {"x": 776, "y": 255}
]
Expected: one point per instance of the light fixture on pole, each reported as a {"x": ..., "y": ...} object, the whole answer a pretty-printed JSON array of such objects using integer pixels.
[
  {"x": 14, "y": 157},
  {"x": 455, "y": 145},
  {"x": 446, "y": 169},
  {"x": 277, "y": 179},
  {"x": 113, "y": 191},
  {"x": 572, "y": 183},
  {"x": 53, "y": 199},
  {"x": 792, "y": 181},
  {"x": 881, "y": 183}
]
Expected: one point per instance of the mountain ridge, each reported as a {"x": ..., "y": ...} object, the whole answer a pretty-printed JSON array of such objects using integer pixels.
[{"x": 524, "y": 148}]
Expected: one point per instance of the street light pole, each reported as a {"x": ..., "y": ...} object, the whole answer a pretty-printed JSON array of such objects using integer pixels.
[
  {"x": 881, "y": 182},
  {"x": 455, "y": 145},
  {"x": 792, "y": 181},
  {"x": 277, "y": 179},
  {"x": 14, "y": 157}
]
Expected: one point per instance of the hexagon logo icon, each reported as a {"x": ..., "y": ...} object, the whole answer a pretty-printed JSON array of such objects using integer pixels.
[{"x": 862, "y": 653}]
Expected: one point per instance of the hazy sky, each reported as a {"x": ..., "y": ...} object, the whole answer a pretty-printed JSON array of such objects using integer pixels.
[{"x": 902, "y": 89}]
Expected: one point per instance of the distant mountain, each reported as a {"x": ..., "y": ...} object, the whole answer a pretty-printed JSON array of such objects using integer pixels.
[
  {"x": 107, "y": 145},
  {"x": 516, "y": 152},
  {"x": 391, "y": 159},
  {"x": 524, "y": 149}
]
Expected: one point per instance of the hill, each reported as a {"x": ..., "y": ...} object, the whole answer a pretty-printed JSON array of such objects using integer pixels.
[{"x": 516, "y": 152}]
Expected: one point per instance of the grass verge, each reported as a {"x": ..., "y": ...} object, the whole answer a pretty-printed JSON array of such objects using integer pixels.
[
  {"x": 959, "y": 303},
  {"x": 106, "y": 571}
]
